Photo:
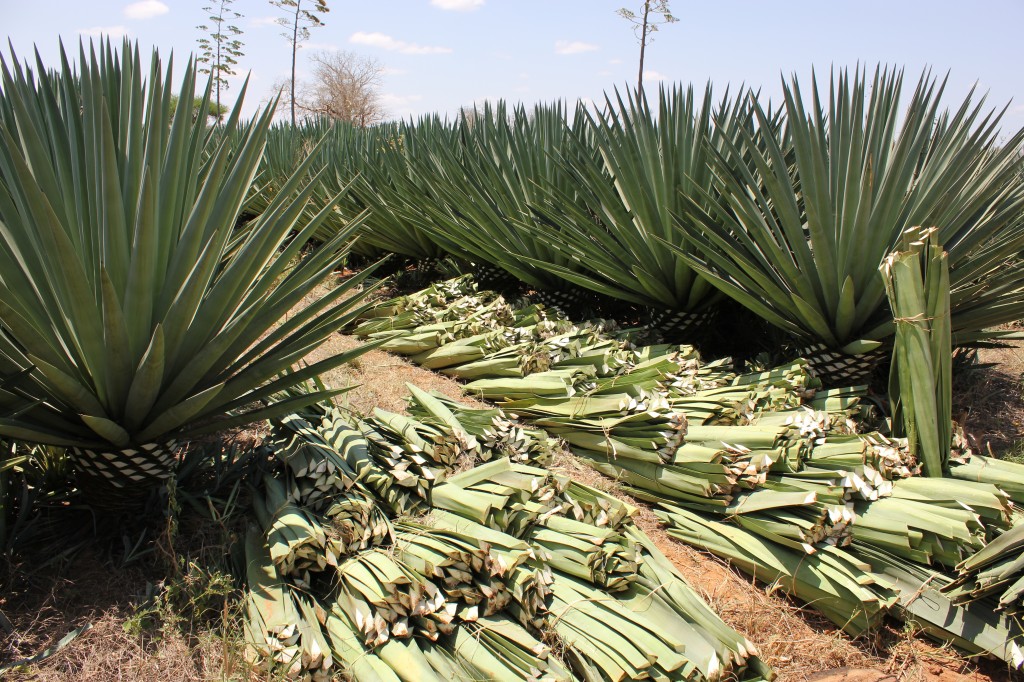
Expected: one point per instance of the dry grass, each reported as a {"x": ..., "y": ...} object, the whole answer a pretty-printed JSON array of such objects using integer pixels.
[
  {"x": 378, "y": 379},
  {"x": 45, "y": 606}
]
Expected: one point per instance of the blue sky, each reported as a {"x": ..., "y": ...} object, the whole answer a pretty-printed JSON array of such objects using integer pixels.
[{"x": 440, "y": 55}]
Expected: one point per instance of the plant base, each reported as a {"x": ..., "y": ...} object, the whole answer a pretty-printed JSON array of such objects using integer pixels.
[
  {"x": 679, "y": 326},
  {"x": 835, "y": 368},
  {"x": 121, "y": 480}
]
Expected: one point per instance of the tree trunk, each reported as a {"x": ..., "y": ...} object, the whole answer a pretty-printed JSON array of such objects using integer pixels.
[
  {"x": 217, "y": 73},
  {"x": 216, "y": 80},
  {"x": 643, "y": 45},
  {"x": 295, "y": 49}
]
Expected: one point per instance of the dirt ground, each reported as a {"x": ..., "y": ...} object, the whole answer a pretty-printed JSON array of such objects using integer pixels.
[
  {"x": 988, "y": 400},
  {"x": 37, "y": 608}
]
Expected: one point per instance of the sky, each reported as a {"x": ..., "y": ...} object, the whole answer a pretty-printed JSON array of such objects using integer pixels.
[{"x": 441, "y": 55}]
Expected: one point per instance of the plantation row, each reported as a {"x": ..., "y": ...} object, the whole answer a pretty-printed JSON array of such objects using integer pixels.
[{"x": 673, "y": 202}]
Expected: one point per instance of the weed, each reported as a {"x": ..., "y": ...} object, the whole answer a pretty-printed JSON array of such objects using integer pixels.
[
  {"x": 1015, "y": 453},
  {"x": 195, "y": 599}
]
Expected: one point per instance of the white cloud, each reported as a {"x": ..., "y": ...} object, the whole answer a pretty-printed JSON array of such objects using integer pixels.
[
  {"x": 392, "y": 100},
  {"x": 391, "y": 71},
  {"x": 386, "y": 42},
  {"x": 258, "y": 22},
  {"x": 573, "y": 47},
  {"x": 111, "y": 31},
  {"x": 458, "y": 5},
  {"x": 651, "y": 75},
  {"x": 236, "y": 80},
  {"x": 326, "y": 47},
  {"x": 614, "y": 61},
  {"x": 146, "y": 9},
  {"x": 400, "y": 105}
]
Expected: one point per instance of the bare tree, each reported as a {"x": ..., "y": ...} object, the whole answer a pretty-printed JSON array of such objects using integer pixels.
[
  {"x": 644, "y": 25},
  {"x": 469, "y": 115},
  {"x": 344, "y": 86}
]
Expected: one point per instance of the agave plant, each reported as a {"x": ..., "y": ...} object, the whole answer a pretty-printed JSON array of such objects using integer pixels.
[
  {"x": 286, "y": 148},
  {"x": 336, "y": 147},
  {"x": 377, "y": 161},
  {"x": 132, "y": 311},
  {"x": 485, "y": 191},
  {"x": 799, "y": 221},
  {"x": 629, "y": 194}
]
